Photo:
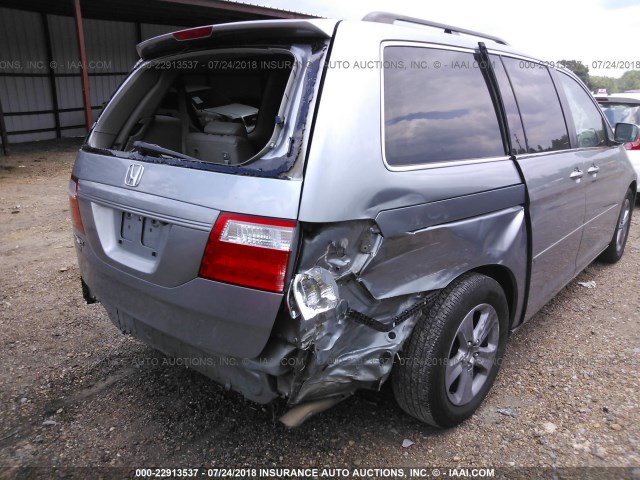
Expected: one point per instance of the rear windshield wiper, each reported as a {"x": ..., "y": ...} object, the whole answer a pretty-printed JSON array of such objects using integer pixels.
[{"x": 153, "y": 149}]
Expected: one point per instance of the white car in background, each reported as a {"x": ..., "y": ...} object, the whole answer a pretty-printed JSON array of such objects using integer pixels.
[{"x": 624, "y": 107}]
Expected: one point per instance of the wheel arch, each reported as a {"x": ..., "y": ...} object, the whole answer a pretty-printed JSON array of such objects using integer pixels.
[{"x": 507, "y": 281}]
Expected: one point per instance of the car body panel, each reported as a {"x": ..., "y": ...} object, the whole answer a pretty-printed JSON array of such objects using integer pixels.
[
  {"x": 423, "y": 260},
  {"x": 603, "y": 190},
  {"x": 233, "y": 193},
  {"x": 557, "y": 212},
  {"x": 211, "y": 316}
]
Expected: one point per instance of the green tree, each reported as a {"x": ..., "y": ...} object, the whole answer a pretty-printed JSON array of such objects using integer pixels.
[
  {"x": 596, "y": 82},
  {"x": 629, "y": 81},
  {"x": 577, "y": 67}
]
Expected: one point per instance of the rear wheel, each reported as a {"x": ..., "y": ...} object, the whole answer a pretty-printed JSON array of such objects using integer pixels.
[
  {"x": 453, "y": 355},
  {"x": 615, "y": 250}
]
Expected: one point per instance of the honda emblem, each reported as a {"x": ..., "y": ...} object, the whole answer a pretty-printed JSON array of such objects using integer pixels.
[{"x": 134, "y": 175}]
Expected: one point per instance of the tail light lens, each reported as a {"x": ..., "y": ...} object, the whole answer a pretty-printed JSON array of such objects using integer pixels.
[
  {"x": 76, "y": 219},
  {"x": 632, "y": 145},
  {"x": 248, "y": 251}
]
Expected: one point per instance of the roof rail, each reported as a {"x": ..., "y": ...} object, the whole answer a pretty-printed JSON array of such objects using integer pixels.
[{"x": 386, "y": 17}]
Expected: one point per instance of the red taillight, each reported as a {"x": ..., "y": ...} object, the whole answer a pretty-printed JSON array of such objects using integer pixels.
[
  {"x": 248, "y": 251},
  {"x": 76, "y": 219},
  {"x": 193, "y": 33},
  {"x": 632, "y": 145}
]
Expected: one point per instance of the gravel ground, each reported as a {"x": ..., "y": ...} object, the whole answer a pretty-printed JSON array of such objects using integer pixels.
[{"x": 74, "y": 392}]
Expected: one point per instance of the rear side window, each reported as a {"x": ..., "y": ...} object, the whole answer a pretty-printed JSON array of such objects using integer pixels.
[
  {"x": 587, "y": 119},
  {"x": 436, "y": 108},
  {"x": 518, "y": 141},
  {"x": 544, "y": 124}
]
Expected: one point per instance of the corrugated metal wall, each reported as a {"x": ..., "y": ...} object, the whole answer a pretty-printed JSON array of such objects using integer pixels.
[
  {"x": 24, "y": 85},
  {"x": 33, "y": 70}
]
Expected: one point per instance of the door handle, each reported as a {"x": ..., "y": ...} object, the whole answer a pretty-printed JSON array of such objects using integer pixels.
[
  {"x": 593, "y": 170},
  {"x": 576, "y": 175}
]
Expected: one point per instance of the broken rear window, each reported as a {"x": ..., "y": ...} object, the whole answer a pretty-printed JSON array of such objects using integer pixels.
[{"x": 231, "y": 110}]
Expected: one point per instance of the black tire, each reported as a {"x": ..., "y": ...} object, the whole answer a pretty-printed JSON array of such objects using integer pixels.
[
  {"x": 425, "y": 362},
  {"x": 615, "y": 249}
]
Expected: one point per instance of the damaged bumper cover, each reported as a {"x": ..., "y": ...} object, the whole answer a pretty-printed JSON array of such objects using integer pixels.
[{"x": 341, "y": 349}]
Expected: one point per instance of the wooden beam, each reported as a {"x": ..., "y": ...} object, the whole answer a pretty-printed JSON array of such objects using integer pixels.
[{"x": 86, "y": 97}]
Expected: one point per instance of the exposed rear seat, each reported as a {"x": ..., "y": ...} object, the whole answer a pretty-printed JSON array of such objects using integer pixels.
[
  {"x": 165, "y": 131},
  {"x": 221, "y": 142}
]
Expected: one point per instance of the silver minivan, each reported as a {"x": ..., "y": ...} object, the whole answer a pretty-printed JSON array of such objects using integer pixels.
[{"x": 302, "y": 208}]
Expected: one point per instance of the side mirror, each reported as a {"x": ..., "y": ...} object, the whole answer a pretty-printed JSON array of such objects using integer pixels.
[{"x": 626, "y": 133}]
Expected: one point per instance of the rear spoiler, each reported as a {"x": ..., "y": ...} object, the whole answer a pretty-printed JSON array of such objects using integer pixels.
[{"x": 202, "y": 37}]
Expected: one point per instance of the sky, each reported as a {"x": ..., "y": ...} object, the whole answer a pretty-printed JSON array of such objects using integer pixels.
[{"x": 595, "y": 32}]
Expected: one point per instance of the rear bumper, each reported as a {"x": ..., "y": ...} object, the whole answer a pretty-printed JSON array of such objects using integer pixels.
[
  {"x": 220, "y": 330},
  {"x": 254, "y": 379},
  {"x": 213, "y": 317}
]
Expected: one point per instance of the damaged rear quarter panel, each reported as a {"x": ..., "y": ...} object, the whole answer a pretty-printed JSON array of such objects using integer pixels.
[
  {"x": 431, "y": 258},
  {"x": 388, "y": 279},
  {"x": 339, "y": 354}
]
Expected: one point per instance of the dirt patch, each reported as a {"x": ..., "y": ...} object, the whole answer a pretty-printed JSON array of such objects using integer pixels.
[{"x": 74, "y": 392}]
